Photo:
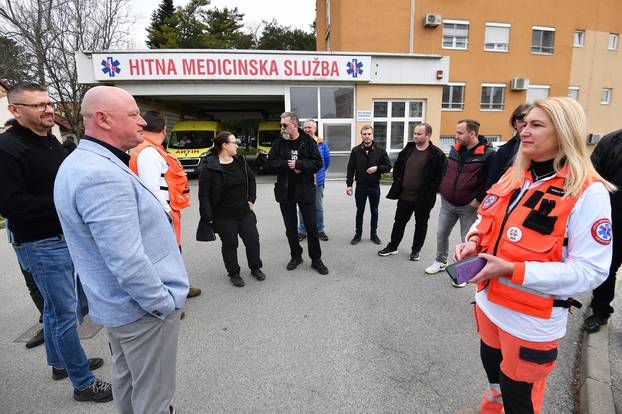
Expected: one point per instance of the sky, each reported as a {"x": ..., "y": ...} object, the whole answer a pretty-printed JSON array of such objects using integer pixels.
[{"x": 294, "y": 13}]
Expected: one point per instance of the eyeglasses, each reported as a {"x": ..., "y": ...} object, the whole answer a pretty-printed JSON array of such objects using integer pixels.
[
  {"x": 236, "y": 142},
  {"x": 285, "y": 125},
  {"x": 39, "y": 107},
  {"x": 520, "y": 117}
]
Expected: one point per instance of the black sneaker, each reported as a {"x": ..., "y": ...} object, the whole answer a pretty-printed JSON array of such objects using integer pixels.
[
  {"x": 237, "y": 280},
  {"x": 414, "y": 256},
  {"x": 36, "y": 340},
  {"x": 375, "y": 239},
  {"x": 301, "y": 237},
  {"x": 323, "y": 236},
  {"x": 98, "y": 391},
  {"x": 593, "y": 323},
  {"x": 355, "y": 239},
  {"x": 294, "y": 263},
  {"x": 61, "y": 373},
  {"x": 320, "y": 267},
  {"x": 387, "y": 252},
  {"x": 259, "y": 275}
]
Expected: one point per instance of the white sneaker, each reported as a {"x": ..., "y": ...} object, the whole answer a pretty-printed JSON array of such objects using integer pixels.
[
  {"x": 435, "y": 267},
  {"x": 458, "y": 285}
]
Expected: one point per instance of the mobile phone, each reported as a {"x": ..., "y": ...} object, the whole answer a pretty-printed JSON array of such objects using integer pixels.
[{"x": 464, "y": 270}]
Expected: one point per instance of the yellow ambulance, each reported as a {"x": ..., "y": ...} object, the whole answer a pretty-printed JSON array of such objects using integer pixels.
[
  {"x": 267, "y": 132},
  {"x": 190, "y": 142}
]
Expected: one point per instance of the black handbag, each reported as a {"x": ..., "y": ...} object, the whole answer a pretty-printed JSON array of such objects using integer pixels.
[{"x": 205, "y": 232}]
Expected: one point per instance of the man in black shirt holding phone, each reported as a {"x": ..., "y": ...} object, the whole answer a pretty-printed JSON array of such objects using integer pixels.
[{"x": 295, "y": 159}]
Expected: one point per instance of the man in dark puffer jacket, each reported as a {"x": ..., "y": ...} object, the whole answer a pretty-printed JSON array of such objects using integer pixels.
[{"x": 463, "y": 183}]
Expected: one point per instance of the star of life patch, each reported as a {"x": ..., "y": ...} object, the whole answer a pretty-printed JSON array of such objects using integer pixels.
[
  {"x": 602, "y": 232},
  {"x": 490, "y": 200}
]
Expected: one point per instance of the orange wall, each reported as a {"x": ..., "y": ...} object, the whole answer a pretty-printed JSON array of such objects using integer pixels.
[{"x": 383, "y": 26}]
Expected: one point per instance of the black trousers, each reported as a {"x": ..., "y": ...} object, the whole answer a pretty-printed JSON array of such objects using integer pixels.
[
  {"x": 290, "y": 219},
  {"x": 246, "y": 228},
  {"x": 603, "y": 294},
  {"x": 516, "y": 394},
  {"x": 404, "y": 211}
]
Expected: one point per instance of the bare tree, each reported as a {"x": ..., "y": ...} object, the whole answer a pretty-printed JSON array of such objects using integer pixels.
[{"x": 54, "y": 30}]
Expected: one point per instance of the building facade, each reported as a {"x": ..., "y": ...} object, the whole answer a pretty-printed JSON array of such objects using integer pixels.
[
  {"x": 239, "y": 89},
  {"x": 502, "y": 53}
]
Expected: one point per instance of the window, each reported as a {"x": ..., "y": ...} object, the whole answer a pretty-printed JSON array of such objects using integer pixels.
[
  {"x": 447, "y": 141},
  {"x": 535, "y": 92},
  {"x": 336, "y": 102},
  {"x": 573, "y": 92},
  {"x": 612, "y": 44},
  {"x": 453, "y": 96},
  {"x": 455, "y": 34},
  {"x": 605, "y": 96},
  {"x": 492, "y": 97},
  {"x": 543, "y": 40},
  {"x": 579, "y": 38},
  {"x": 332, "y": 107},
  {"x": 492, "y": 138},
  {"x": 394, "y": 122},
  {"x": 497, "y": 37},
  {"x": 304, "y": 102}
]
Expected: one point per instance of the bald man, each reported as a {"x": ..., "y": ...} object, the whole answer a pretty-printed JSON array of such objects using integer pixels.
[
  {"x": 131, "y": 268},
  {"x": 29, "y": 160}
]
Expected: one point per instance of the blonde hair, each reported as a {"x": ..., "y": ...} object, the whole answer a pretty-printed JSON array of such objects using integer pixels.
[{"x": 570, "y": 127}]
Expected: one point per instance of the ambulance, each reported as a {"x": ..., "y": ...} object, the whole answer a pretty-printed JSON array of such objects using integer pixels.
[
  {"x": 190, "y": 142},
  {"x": 267, "y": 132}
]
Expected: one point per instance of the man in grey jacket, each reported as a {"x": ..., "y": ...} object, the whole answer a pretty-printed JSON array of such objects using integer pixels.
[{"x": 121, "y": 242}]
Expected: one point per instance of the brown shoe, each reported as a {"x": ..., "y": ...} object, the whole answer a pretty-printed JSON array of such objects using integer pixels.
[{"x": 192, "y": 292}]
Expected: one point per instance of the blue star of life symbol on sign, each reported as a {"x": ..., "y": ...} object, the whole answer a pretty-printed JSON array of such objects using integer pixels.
[
  {"x": 355, "y": 68},
  {"x": 604, "y": 231},
  {"x": 111, "y": 66}
]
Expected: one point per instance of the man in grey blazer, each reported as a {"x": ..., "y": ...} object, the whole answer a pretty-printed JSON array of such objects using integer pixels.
[{"x": 124, "y": 250}]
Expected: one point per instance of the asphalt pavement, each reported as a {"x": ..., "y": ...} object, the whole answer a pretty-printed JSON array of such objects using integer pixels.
[{"x": 376, "y": 335}]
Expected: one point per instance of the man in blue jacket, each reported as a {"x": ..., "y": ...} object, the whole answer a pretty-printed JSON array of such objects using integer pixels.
[
  {"x": 123, "y": 247},
  {"x": 310, "y": 128}
]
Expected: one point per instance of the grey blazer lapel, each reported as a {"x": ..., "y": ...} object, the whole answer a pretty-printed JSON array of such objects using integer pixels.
[{"x": 105, "y": 153}]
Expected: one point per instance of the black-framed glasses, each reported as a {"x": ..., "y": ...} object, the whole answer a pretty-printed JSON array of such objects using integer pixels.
[
  {"x": 285, "y": 125},
  {"x": 39, "y": 106}
]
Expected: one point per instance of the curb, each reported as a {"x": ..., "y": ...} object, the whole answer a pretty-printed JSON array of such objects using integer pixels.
[{"x": 595, "y": 394}]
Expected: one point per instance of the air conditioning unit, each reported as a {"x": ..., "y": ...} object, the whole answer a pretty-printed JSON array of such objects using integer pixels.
[
  {"x": 431, "y": 20},
  {"x": 519, "y": 84},
  {"x": 594, "y": 138}
]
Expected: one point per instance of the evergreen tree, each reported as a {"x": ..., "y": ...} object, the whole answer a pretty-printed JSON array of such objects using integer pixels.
[
  {"x": 15, "y": 63},
  {"x": 277, "y": 37},
  {"x": 162, "y": 27}
]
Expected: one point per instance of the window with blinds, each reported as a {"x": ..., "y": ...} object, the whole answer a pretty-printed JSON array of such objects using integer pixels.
[
  {"x": 497, "y": 37},
  {"x": 455, "y": 34}
]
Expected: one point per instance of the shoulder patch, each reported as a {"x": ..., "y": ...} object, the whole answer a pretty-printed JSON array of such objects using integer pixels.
[
  {"x": 490, "y": 200},
  {"x": 602, "y": 232}
]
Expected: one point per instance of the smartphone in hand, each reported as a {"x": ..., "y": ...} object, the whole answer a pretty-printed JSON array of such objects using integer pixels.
[{"x": 464, "y": 270}]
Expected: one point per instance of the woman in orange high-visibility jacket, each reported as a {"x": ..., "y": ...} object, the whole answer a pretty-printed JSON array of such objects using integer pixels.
[{"x": 545, "y": 231}]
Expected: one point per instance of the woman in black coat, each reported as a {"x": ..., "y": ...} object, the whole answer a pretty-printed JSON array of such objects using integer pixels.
[{"x": 227, "y": 192}]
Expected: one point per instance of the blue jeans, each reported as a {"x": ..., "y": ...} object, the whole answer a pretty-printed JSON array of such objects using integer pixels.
[
  {"x": 50, "y": 264},
  {"x": 361, "y": 193},
  {"x": 319, "y": 212}
]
